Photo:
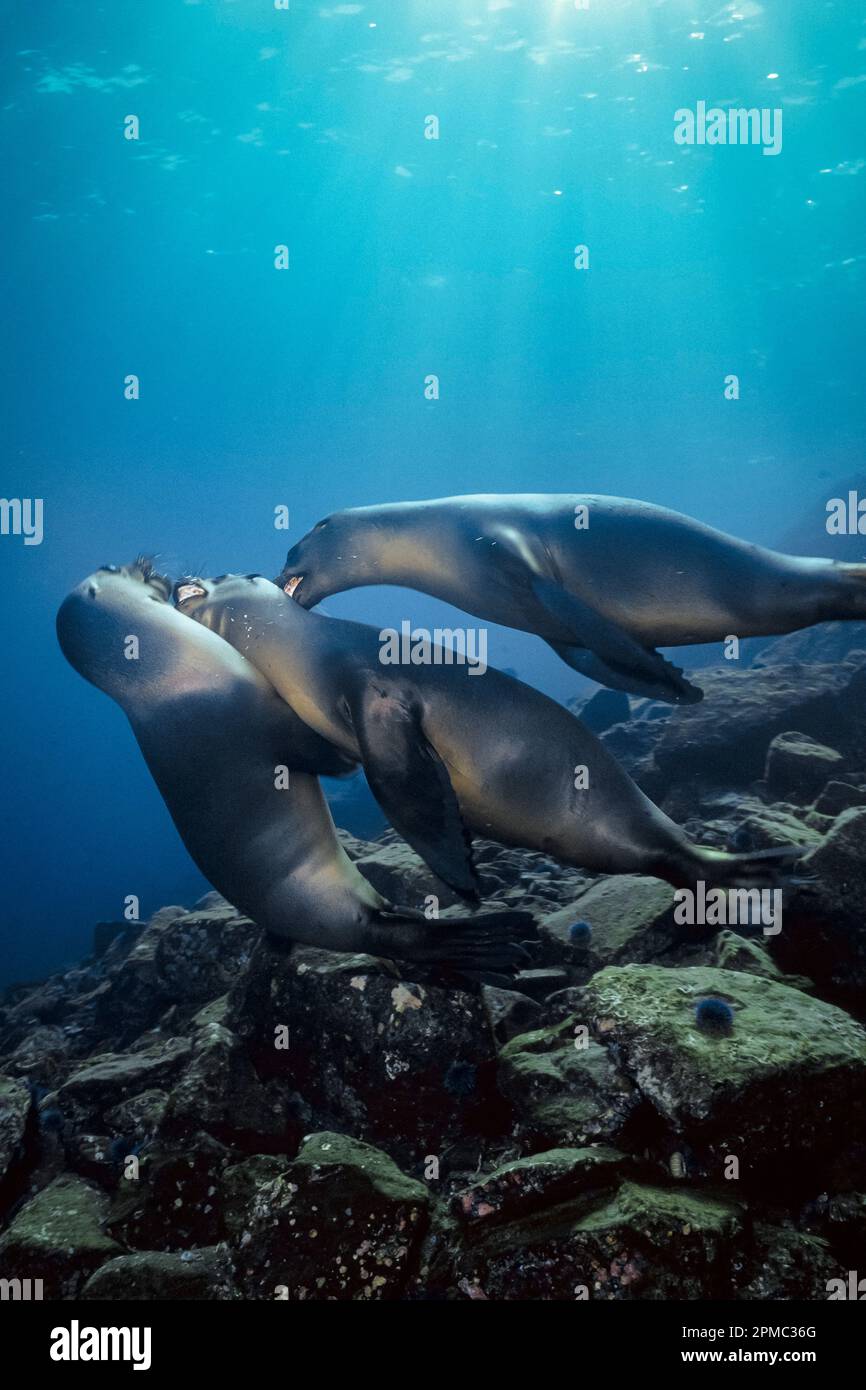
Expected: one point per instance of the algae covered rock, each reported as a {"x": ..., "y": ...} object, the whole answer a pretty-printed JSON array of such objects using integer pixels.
[
  {"x": 566, "y": 1087},
  {"x": 643, "y": 1242},
  {"x": 104, "y": 1081},
  {"x": 57, "y": 1237},
  {"x": 627, "y": 917},
  {"x": 788, "y": 1077},
  {"x": 542, "y": 1179},
  {"x": 151, "y": 1274},
  {"x": 339, "y": 1222},
  {"x": 734, "y": 952}
]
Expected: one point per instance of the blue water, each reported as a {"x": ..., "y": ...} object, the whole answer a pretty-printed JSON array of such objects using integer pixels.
[{"x": 408, "y": 256}]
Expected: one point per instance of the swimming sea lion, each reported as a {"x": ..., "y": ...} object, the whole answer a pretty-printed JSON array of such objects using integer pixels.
[
  {"x": 604, "y": 580},
  {"x": 213, "y": 733},
  {"x": 443, "y": 749}
]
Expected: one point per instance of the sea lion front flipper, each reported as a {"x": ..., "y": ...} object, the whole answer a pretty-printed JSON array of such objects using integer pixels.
[
  {"x": 588, "y": 664},
  {"x": 411, "y": 784},
  {"x": 619, "y": 658}
]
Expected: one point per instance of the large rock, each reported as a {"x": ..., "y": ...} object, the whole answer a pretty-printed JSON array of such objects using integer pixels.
[
  {"x": 542, "y": 1180},
  {"x": 202, "y": 953},
  {"x": 837, "y": 797},
  {"x": 742, "y": 822},
  {"x": 798, "y": 767},
  {"x": 602, "y": 710},
  {"x": 509, "y": 1012},
  {"x": 58, "y": 1237},
  {"x": 731, "y": 951},
  {"x": 219, "y": 1092},
  {"x": 151, "y": 1274},
  {"x": 133, "y": 997},
  {"x": 839, "y": 865},
  {"x": 823, "y": 934},
  {"x": 788, "y": 1077},
  {"x": 831, "y": 643},
  {"x": 398, "y": 873},
  {"x": 104, "y": 1081},
  {"x": 340, "y": 1222},
  {"x": 15, "y": 1102},
  {"x": 405, "y": 1064},
  {"x": 567, "y": 1088},
  {"x": 779, "y": 1263},
  {"x": 644, "y": 1242},
  {"x": 626, "y": 917},
  {"x": 176, "y": 1202},
  {"x": 724, "y": 738}
]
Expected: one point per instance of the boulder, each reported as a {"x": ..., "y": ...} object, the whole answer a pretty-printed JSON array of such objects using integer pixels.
[
  {"x": 401, "y": 876},
  {"x": 724, "y": 738},
  {"x": 742, "y": 823},
  {"x": 403, "y": 1063},
  {"x": 837, "y": 797},
  {"x": 602, "y": 710},
  {"x": 643, "y": 1242},
  {"x": 566, "y": 1087},
  {"x": 788, "y": 1077},
  {"x": 15, "y": 1101},
  {"x": 57, "y": 1237},
  {"x": 780, "y": 1263},
  {"x": 830, "y": 643},
  {"x": 509, "y": 1012},
  {"x": 176, "y": 1203},
  {"x": 162, "y": 1275},
  {"x": 542, "y": 1180},
  {"x": 733, "y": 952},
  {"x": 105, "y": 1080},
  {"x": 133, "y": 997},
  {"x": 219, "y": 1092},
  {"x": 798, "y": 767},
  {"x": 823, "y": 935},
  {"x": 626, "y": 917},
  {"x": 339, "y": 1222},
  {"x": 839, "y": 865},
  {"x": 202, "y": 952}
]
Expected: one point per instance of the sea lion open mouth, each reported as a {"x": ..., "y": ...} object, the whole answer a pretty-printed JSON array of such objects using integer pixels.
[
  {"x": 143, "y": 566},
  {"x": 291, "y": 585},
  {"x": 187, "y": 589}
]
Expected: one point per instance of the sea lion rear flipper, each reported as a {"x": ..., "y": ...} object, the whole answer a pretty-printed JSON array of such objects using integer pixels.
[
  {"x": 411, "y": 784},
  {"x": 605, "y": 652}
]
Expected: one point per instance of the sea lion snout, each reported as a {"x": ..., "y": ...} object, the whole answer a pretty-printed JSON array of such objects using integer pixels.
[{"x": 187, "y": 589}]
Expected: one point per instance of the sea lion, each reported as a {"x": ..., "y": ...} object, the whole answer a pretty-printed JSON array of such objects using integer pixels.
[
  {"x": 443, "y": 750},
  {"x": 604, "y": 580},
  {"x": 213, "y": 733}
]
